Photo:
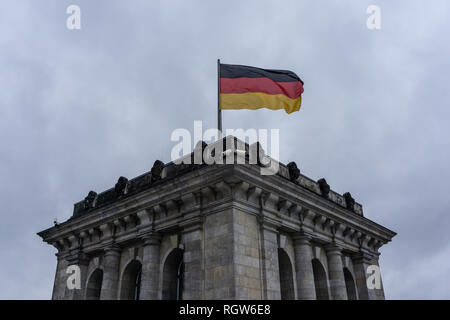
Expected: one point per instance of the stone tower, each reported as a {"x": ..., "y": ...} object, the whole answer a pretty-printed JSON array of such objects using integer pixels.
[{"x": 221, "y": 231}]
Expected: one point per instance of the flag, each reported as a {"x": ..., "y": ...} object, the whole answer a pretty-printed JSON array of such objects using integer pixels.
[{"x": 244, "y": 87}]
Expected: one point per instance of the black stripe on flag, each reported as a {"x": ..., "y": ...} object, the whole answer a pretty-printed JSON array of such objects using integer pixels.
[{"x": 238, "y": 71}]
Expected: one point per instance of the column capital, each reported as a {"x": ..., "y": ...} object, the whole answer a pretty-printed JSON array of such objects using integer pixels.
[
  {"x": 363, "y": 257},
  {"x": 333, "y": 248},
  {"x": 112, "y": 250},
  {"x": 78, "y": 258},
  {"x": 152, "y": 239},
  {"x": 268, "y": 224},
  {"x": 302, "y": 238},
  {"x": 191, "y": 225}
]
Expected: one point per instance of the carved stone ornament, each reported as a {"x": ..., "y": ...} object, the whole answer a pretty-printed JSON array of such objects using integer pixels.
[
  {"x": 349, "y": 201},
  {"x": 121, "y": 186},
  {"x": 324, "y": 187},
  {"x": 89, "y": 201},
  {"x": 157, "y": 170},
  {"x": 294, "y": 172}
]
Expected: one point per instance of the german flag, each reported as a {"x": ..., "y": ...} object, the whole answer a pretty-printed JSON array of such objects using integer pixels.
[{"x": 243, "y": 87}]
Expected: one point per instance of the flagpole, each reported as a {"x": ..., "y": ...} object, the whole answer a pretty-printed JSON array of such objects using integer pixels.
[{"x": 219, "y": 112}]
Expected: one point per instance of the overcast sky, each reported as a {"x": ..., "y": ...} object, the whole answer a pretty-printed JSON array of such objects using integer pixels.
[{"x": 79, "y": 108}]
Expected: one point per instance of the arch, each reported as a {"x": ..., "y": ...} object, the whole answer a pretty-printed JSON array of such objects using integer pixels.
[
  {"x": 320, "y": 280},
  {"x": 173, "y": 271},
  {"x": 350, "y": 285},
  {"x": 286, "y": 276},
  {"x": 130, "y": 283},
  {"x": 94, "y": 285}
]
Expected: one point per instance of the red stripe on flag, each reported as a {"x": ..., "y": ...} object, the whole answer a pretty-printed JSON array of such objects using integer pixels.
[{"x": 242, "y": 85}]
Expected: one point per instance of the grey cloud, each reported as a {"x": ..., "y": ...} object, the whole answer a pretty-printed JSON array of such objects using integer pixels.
[{"x": 80, "y": 108}]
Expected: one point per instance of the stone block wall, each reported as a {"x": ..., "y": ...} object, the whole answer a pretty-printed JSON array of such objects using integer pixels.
[
  {"x": 219, "y": 243},
  {"x": 234, "y": 230},
  {"x": 247, "y": 260}
]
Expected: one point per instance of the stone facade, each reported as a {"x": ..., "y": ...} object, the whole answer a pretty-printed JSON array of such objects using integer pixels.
[{"x": 222, "y": 231}]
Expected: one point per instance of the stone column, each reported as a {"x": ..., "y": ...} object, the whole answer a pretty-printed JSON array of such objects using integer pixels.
[
  {"x": 193, "y": 262},
  {"x": 150, "y": 267},
  {"x": 336, "y": 272},
  {"x": 81, "y": 260},
  {"x": 361, "y": 261},
  {"x": 270, "y": 264},
  {"x": 303, "y": 267},
  {"x": 379, "y": 292},
  {"x": 60, "y": 278},
  {"x": 110, "y": 283}
]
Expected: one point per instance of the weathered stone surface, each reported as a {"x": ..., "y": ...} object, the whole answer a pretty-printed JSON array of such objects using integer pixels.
[
  {"x": 336, "y": 273},
  {"x": 110, "y": 281},
  {"x": 303, "y": 267},
  {"x": 150, "y": 266},
  {"x": 217, "y": 232}
]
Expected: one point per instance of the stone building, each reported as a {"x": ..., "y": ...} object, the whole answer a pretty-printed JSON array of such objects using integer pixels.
[{"x": 221, "y": 231}]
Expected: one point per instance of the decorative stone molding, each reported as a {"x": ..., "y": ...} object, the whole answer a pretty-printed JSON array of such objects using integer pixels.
[
  {"x": 319, "y": 220},
  {"x": 283, "y": 205},
  {"x": 328, "y": 224},
  {"x": 294, "y": 211},
  {"x": 186, "y": 200},
  {"x": 209, "y": 194},
  {"x": 222, "y": 189},
  {"x": 160, "y": 211},
  {"x": 269, "y": 201},
  {"x": 78, "y": 258},
  {"x": 120, "y": 225},
  {"x": 107, "y": 230},
  {"x": 254, "y": 194},
  {"x": 305, "y": 214}
]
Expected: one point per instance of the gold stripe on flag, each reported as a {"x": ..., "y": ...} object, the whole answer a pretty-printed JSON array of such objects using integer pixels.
[{"x": 257, "y": 100}]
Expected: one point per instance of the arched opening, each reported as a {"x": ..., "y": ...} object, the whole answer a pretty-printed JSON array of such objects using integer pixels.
[
  {"x": 94, "y": 285},
  {"x": 350, "y": 285},
  {"x": 172, "y": 286},
  {"x": 131, "y": 281},
  {"x": 286, "y": 276},
  {"x": 320, "y": 280}
]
